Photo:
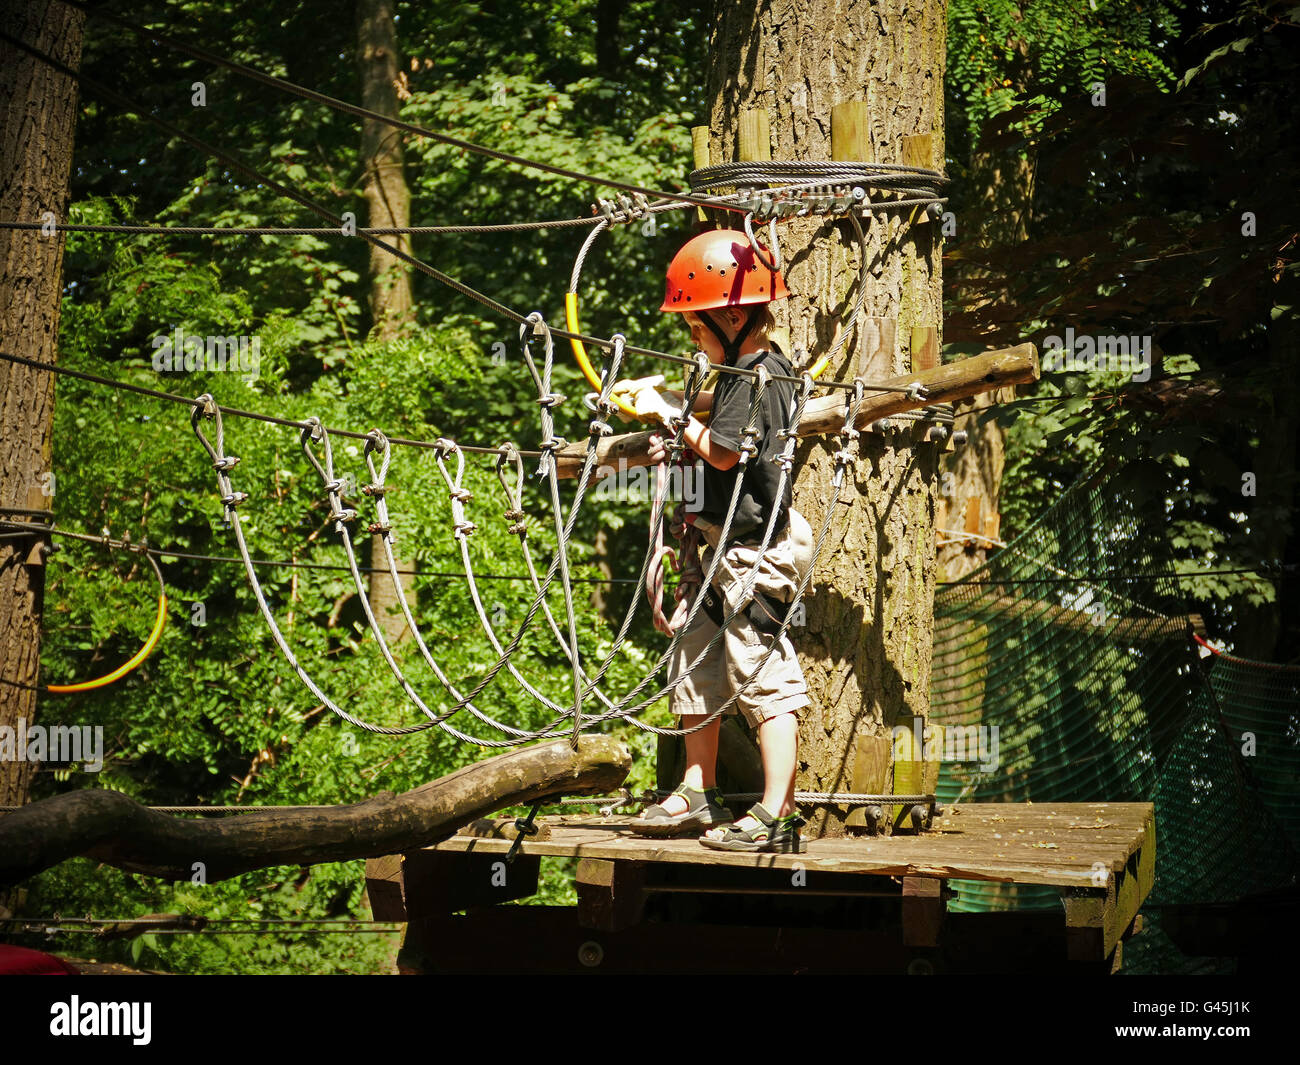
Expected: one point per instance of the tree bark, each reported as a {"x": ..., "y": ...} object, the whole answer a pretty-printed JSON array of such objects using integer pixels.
[
  {"x": 38, "y": 112},
  {"x": 112, "y": 828},
  {"x": 388, "y": 203}
]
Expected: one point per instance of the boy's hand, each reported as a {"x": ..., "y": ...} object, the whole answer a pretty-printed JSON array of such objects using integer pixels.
[
  {"x": 658, "y": 449},
  {"x": 651, "y": 406}
]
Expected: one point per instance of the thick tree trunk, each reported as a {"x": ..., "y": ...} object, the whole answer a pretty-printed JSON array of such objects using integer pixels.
[
  {"x": 389, "y": 204},
  {"x": 867, "y": 643},
  {"x": 110, "y": 827},
  {"x": 38, "y": 111}
]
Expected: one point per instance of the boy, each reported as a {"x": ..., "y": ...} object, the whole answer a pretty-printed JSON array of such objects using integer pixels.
[{"x": 723, "y": 292}]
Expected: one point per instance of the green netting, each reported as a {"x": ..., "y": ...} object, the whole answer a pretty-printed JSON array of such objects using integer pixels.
[{"x": 1069, "y": 644}]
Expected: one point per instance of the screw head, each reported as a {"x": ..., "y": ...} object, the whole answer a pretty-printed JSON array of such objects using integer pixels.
[{"x": 591, "y": 954}]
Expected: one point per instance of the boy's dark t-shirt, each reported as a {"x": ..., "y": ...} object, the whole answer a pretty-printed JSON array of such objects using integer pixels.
[{"x": 732, "y": 398}]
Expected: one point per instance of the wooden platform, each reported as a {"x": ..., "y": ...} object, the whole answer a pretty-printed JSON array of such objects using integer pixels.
[{"x": 1101, "y": 857}]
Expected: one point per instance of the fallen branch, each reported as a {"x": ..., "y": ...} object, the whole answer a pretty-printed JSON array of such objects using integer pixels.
[{"x": 109, "y": 827}]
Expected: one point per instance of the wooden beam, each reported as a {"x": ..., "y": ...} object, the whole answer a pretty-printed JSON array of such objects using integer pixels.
[
  {"x": 923, "y": 911},
  {"x": 943, "y": 384},
  {"x": 700, "y": 157},
  {"x": 611, "y": 894}
]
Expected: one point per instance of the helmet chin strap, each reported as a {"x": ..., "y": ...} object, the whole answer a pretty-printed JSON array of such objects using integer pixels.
[{"x": 731, "y": 348}]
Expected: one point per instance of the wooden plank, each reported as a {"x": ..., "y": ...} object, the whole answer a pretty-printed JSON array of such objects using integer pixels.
[
  {"x": 384, "y": 888},
  {"x": 923, "y": 911},
  {"x": 435, "y": 883},
  {"x": 1053, "y": 844},
  {"x": 925, "y": 345},
  {"x": 870, "y": 774},
  {"x": 878, "y": 339},
  {"x": 753, "y": 139},
  {"x": 611, "y": 895},
  {"x": 850, "y": 132},
  {"x": 700, "y": 155}
]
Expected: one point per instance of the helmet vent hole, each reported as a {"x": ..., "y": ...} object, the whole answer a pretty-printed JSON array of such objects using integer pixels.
[
  {"x": 691, "y": 275},
  {"x": 709, "y": 266},
  {"x": 722, "y": 273}
]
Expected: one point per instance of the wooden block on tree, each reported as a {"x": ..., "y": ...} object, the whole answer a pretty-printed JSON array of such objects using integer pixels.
[
  {"x": 923, "y": 911},
  {"x": 700, "y": 153},
  {"x": 876, "y": 348},
  {"x": 925, "y": 348},
  {"x": 611, "y": 894},
  {"x": 753, "y": 138},
  {"x": 849, "y": 132},
  {"x": 871, "y": 756}
]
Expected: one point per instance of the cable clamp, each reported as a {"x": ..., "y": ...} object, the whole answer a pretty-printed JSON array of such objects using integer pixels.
[
  {"x": 601, "y": 428},
  {"x": 551, "y": 399},
  {"x": 553, "y": 443},
  {"x": 231, "y": 501},
  {"x": 461, "y": 495},
  {"x": 227, "y": 462},
  {"x": 917, "y": 391},
  {"x": 375, "y": 491},
  {"x": 380, "y": 527},
  {"x": 462, "y": 529}
]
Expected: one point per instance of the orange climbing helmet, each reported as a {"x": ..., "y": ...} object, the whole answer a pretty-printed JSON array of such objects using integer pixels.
[{"x": 719, "y": 269}]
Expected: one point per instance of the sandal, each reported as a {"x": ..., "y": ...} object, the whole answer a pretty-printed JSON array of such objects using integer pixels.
[
  {"x": 777, "y": 835},
  {"x": 704, "y": 809}
]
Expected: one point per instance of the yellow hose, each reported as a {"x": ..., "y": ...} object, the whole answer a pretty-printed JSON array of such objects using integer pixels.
[
  {"x": 580, "y": 351},
  {"x": 160, "y": 622}
]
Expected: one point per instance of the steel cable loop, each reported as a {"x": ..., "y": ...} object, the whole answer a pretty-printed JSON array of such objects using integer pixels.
[
  {"x": 459, "y": 496},
  {"x": 774, "y": 264},
  {"x": 747, "y": 448},
  {"x": 693, "y": 385},
  {"x": 785, "y": 460},
  {"x": 333, "y": 488},
  {"x": 515, "y": 514},
  {"x": 584, "y": 478},
  {"x": 379, "y": 442},
  {"x": 547, "y": 400},
  {"x": 206, "y": 406}
]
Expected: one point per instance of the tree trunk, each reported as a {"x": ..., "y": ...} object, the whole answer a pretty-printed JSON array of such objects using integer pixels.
[
  {"x": 38, "y": 111},
  {"x": 866, "y": 646},
  {"x": 388, "y": 203}
]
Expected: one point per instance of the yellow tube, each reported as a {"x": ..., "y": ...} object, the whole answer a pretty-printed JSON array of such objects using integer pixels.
[
  {"x": 160, "y": 622},
  {"x": 580, "y": 351}
]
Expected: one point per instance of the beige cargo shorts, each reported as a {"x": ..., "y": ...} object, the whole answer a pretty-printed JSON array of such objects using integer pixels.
[{"x": 780, "y": 688}]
